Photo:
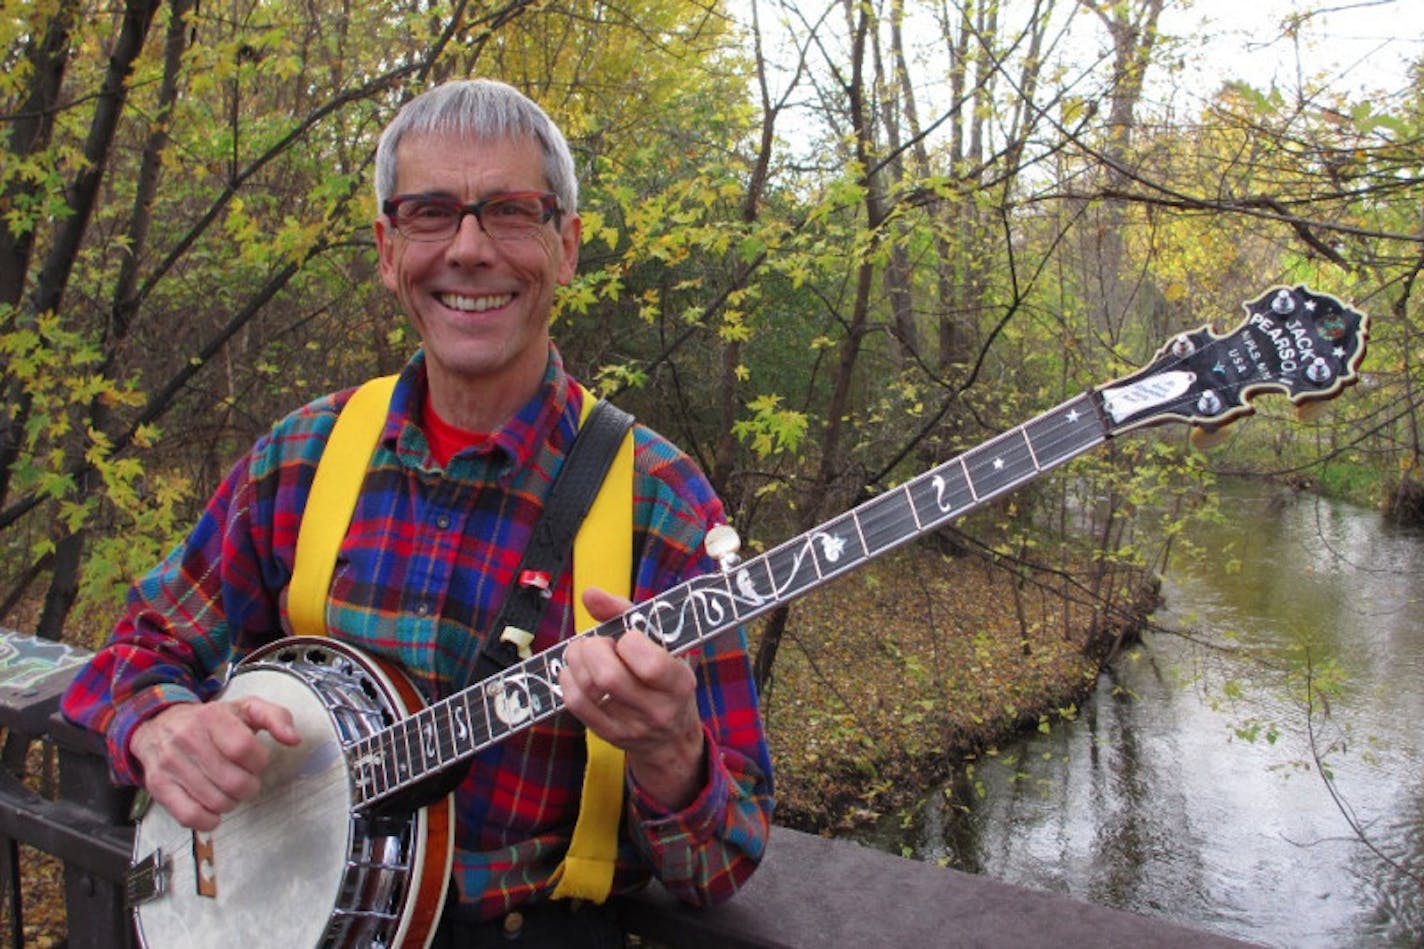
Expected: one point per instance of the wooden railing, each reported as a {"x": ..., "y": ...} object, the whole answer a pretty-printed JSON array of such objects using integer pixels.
[{"x": 809, "y": 893}]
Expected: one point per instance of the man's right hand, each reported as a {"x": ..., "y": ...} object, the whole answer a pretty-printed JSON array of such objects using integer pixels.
[{"x": 201, "y": 760}]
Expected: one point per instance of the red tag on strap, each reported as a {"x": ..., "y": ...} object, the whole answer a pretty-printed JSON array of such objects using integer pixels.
[{"x": 534, "y": 578}]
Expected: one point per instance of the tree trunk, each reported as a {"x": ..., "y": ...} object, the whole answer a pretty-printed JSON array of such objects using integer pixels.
[
  {"x": 54, "y": 277},
  {"x": 1133, "y": 27},
  {"x": 821, "y": 493},
  {"x": 764, "y": 664}
]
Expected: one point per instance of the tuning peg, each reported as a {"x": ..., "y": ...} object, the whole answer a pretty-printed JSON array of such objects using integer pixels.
[
  {"x": 1312, "y": 410},
  {"x": 723, "y": 545},
  {"x": 1205, "y": 438},
  {"x": 1284, "y": 303}
]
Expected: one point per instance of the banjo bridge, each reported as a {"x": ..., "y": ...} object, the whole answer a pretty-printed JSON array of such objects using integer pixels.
[{"x": 205, "y": 866}]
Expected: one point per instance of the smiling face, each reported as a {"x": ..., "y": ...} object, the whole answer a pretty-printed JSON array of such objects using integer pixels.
[{"x": 481, "y": 306}]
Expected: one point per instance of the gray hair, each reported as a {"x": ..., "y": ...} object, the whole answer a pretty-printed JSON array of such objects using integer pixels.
[{"x": 479, "y": 109}]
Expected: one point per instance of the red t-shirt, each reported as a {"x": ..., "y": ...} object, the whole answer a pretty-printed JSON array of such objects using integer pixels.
[{"x": 445, "y": 439}]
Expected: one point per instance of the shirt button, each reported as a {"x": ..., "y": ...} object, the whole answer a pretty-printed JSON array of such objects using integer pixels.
[
  {"x": 513, "y": 924},
  {"x": 423, "y": 609},
  {"x": 443, "y": 522}
]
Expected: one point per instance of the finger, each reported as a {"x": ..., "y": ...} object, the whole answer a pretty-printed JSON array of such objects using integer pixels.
[
  {"x": 591, "y": 670},
  {"x": 182, "y": 806},
  {"x": 261, "y": 715},
  {"x": 200, "y": 761},
  {"x": 603, "y": 693},
  {"x": 197, "y": 788},
  {"x": 228, "y": 756},
  {"x": 602, "y": 605},
  {"x": 235, "y": 741},
  {"x": 168, "y": 775},
  {"x": 217, "y": 792},
  {"x": 653, "y": 666},
  {"x": 610, "y": 697}
]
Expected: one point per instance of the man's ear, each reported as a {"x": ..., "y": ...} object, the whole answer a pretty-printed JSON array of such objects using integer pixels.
[
  {"x": 385, "y": 250},
  {"x": 570, "y": 235}
]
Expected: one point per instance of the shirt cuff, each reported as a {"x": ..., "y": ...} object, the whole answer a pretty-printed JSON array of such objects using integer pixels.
[{"x": 698, "y": 820}]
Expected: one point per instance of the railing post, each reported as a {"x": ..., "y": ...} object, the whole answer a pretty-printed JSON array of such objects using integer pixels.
[
  {"x": 94, "y": 892},
  {"x": 86, "y": 823}
]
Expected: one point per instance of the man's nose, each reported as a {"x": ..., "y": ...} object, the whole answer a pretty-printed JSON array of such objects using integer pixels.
[{"x": 470, "y": 237}]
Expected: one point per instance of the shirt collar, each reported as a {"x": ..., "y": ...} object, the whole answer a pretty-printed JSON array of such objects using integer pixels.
[{"x": 551, "y": 416}]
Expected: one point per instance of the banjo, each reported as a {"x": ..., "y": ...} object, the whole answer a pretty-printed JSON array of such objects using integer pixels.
[{"x": 347, "y": 845}]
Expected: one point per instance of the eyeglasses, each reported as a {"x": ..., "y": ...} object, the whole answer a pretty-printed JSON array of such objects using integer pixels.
[{"x": 512, "y": 216}]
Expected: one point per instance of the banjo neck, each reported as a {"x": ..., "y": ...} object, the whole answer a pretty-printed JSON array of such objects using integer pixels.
[{"x": 1295, "y": 342}]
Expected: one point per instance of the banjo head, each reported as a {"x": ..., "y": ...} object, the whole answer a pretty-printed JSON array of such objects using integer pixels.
[
  {"x": 262, "y": 876},
  {"x": 298, "y": 865}
]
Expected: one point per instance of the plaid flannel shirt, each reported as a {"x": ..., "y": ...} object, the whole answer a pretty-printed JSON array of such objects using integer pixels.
[{"x": 423, "y": 569}]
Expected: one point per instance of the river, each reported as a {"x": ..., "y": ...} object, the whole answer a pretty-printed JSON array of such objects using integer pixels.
[{"x": 1188, "y": 787}]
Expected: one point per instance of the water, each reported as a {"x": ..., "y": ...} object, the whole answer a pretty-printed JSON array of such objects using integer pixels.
[{"x": 1188, "y": 788}]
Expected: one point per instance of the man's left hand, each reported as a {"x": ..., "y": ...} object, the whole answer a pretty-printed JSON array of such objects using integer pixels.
[{"x": 636, "y": 696}]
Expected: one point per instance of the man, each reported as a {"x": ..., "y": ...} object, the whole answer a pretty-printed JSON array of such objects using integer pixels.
[{"x": 478, "y": 226}]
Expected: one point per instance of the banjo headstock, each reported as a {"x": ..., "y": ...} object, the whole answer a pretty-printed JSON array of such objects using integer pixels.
[{"x": 1304, "y": 345}]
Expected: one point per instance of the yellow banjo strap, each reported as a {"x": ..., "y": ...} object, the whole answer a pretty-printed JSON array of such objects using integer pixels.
[
  {"x": 603, "y": 557},
  {"x": 332, "y": 500}
]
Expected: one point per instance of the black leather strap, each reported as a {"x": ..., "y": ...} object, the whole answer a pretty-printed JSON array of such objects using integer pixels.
[{"x": 569, "y": 500}]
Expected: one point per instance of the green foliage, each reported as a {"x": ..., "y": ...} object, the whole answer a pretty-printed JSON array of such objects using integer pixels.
[
  {"x": 1350, "y": 480},
  {"x": 771, "y": 429},
  {"x": 144, "y": 525},
  {"x": 859, "y": 308},
  {"x": 54, "y": 371}
]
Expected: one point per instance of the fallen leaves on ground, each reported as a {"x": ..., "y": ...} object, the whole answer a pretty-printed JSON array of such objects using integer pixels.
[{"x": 890, "y": 678}]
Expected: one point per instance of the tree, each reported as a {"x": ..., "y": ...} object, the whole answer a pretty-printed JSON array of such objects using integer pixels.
[
  {"x": 820, "y": 266},
  {"x": 201, "y": 207}
]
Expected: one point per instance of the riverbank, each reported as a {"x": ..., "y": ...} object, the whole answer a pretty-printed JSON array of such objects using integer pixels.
[{"x": 892, "y": 679}]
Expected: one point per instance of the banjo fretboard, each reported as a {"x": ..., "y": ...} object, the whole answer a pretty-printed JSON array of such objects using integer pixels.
[
  {"x": 447, "y": 732},
  {"x": 1294, "y": 341}
]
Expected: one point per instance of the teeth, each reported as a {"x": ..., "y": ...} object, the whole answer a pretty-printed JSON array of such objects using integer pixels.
[{"x": 475, "y": 304}]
